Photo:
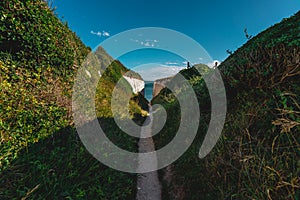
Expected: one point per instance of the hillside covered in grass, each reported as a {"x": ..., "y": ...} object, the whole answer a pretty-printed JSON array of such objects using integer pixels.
[
  {"x": 258, "y": 154},
  {"x": 38, "y": 58},
  {"x": 41, "y": 156}
]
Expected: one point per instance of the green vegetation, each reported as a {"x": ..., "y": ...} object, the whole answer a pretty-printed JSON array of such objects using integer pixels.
[
  {"x": 258, "y": 155},
  {"x": 41, "y": 156},
  {"x": 38, "y": 59},
  {"x": 59, "y": 167}
]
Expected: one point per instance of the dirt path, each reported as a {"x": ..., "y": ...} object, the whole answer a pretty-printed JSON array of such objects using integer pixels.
[{"x": 148, "y": 186}]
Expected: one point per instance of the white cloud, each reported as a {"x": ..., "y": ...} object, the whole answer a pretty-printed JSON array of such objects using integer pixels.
[
  {"x": 158, "y": 71},
  {"x": 96, "y": 33},
  {"x": 213, "y": 64},
  {"x": 100, "y": 34},
  {"x": 185, "y": 63},
  {"x": 152, "y": 41},
  {"x": 105, "y": 34},
  {"x": 146, "y": 43},
  {"x": 172, "y": 63}
]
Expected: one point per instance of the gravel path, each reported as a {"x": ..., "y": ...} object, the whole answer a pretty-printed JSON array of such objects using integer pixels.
[{"x": 148, "y": 186}]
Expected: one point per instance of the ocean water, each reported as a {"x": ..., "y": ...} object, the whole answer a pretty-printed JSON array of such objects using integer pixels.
[{"x": 148, "y": 90}]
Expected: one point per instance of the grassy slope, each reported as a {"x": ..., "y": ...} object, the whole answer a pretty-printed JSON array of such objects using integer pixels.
[
  {"x": 258, "y": 154},
  {"x": 41, "y": 156},
  {"x": 114, "y": 70}
]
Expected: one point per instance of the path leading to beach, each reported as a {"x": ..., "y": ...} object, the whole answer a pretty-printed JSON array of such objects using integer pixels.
[{"x": 148, "y": 186}]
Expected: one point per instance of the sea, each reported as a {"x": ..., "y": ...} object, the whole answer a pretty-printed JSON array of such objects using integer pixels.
[{"x": 148, "y": 90}]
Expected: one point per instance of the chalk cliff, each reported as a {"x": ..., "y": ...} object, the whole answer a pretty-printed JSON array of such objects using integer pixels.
[
  {"x": 136, "y": 84},
  {"x": 159, "y": 84}
]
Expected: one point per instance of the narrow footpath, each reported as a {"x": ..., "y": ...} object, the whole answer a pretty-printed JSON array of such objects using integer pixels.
[{"x": 148, "y": 186}]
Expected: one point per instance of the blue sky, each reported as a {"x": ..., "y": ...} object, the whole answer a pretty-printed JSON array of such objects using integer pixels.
[{"x": 217, "y": 25}]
